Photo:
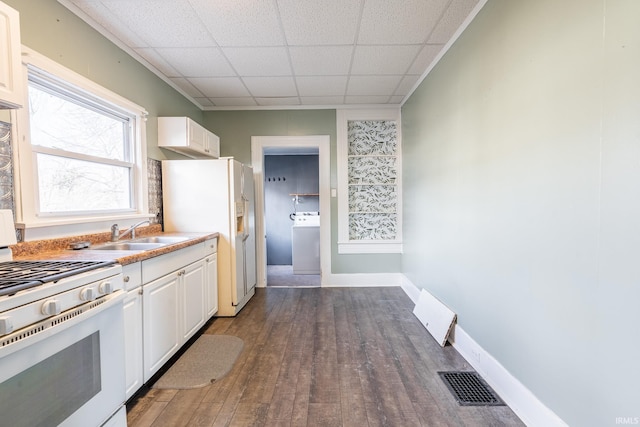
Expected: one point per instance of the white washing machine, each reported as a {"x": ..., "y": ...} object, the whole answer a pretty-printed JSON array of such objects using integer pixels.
[{"x": 305, "y": 243}]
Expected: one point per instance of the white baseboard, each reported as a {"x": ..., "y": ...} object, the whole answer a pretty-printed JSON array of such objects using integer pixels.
[
  {"x": 412, "y": 291},
  {"x": 524, "y": 403},
  {"x": 361, "y": 280}
]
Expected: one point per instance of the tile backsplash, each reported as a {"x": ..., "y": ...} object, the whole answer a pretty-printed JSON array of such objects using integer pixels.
[
  {"x": 6, "y": 168},
  {"x": 154, "y": 187}
]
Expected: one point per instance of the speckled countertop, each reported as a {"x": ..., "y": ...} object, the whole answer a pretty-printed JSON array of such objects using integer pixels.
[{"x": 59, "y": 249}]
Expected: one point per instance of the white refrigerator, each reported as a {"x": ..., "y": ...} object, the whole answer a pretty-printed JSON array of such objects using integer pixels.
[{"x": 216, "y": 196}]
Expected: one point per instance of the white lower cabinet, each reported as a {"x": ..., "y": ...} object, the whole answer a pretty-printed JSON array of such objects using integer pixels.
[
  {"x": 161, "y": 317},
  {"x": 133, "y": 341},
  {"x": 169, "y": 298},
  {"x": 132, "y": 278},
  {"x": 193, "y": 309},
  {"x": 177, "y": 292}
]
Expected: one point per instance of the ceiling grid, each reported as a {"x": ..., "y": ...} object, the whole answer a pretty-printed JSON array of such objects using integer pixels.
[{"x": 249, "y": 54}]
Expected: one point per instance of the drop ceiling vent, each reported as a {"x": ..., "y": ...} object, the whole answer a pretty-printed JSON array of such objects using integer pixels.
[{"x": 469, "y": 389}]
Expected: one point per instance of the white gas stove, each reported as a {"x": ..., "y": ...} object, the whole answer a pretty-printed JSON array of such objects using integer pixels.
[
  {"x": 61, "y": 339},
  {"x": 31, "y": 291}
]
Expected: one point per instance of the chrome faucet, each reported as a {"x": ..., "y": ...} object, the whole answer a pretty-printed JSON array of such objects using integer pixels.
[{"x": 115, "y": 231}]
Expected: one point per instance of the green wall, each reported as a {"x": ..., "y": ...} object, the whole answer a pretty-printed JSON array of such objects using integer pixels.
[{"x": 522, "y": 203}]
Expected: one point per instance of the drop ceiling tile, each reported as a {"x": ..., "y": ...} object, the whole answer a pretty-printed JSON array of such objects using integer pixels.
[
  {"x": 266, "y": 41},
  {"x": 406, "y": 84},
  {"x": 278, "y": 101},
  {"x": 197, "y": 62},
  {"x": 372, "y": 85},
  {"x": 217, "y": 87},
  {"x": 367, "y": 99},
  {"x": 322, "y": 86},
  {"x": 152, "y": 57},
  {"x": 271, "y": 86},
  {"x": 187, "y": 87},
  {"x": 327, "y": 22},
  {"x": 399, "y": 21},
  {"x": 259, "y": 61},
  {"x": 457, "y": 12},
  {"x": 383, "y": 59},
  {"x": 241, "y": 23},
  {"x": 322, "y": 100},
  {"x": 105, "y": 19},
  {"x": 426, "y": 56},
  {"x": 234, "y": 102},
  {"x": 162, "y": 23},
  {"x": 321, "y": 60}
]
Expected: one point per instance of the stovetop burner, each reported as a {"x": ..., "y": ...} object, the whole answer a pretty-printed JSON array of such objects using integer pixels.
[{"x": 18, "y": 275}]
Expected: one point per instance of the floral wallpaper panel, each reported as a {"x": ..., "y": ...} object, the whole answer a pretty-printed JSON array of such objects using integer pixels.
[
  {"x": 372, "y": 170},
  {"x": 373, "y": 198},
  {"x": 372, "y": 174},
  {"x": 363, "y": 226},
  {"x": 372, "y": 137}
]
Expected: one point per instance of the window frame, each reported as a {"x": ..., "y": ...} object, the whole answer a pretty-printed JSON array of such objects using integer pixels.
[{"x": 26, "y": 182}]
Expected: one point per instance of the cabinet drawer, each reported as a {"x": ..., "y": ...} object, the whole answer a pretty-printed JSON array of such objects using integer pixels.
[
  {"x": 131, "y": 276},
  {"x": 211, "y": 246}
]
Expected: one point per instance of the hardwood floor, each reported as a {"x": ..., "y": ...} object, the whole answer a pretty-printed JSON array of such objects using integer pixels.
[
  {"x": 282, "y": 276},
  {"x": 324, "y": 357}
]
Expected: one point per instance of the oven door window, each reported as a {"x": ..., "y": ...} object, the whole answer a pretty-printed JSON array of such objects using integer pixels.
[
  {"x": 50, "y": 391},
  {"x": 70, "y": 374}
]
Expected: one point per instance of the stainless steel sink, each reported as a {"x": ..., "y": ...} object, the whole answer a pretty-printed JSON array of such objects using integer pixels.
[
  {"x": 128, "y": 246},
  {"x": 165, "y": 240}
]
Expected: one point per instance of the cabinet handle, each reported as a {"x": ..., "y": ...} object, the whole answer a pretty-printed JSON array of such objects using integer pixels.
[{"x": 125, "y": 279}]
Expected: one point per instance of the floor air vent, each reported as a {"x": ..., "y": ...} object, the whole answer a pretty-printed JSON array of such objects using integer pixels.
[{"x": 469, "y": 389}]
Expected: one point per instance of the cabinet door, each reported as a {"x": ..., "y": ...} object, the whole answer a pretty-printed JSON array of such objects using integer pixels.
[
  {"x": 161, "y": 318},
  {"x": 211, "y": 286},
  {"x": 10, "y": 68},
  {"x": 133, "y": 341},
  {"x": 193, "y": 311},
  {"x": 197, "y": 137}
]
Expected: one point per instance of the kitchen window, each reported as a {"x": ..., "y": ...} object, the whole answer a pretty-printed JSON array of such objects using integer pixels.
[{"x": 82, "y": 150}]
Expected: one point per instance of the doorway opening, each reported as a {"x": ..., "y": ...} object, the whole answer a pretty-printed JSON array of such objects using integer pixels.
[
  {"x": 292, "y": 193},
  {"x": 292, "y": 216}
]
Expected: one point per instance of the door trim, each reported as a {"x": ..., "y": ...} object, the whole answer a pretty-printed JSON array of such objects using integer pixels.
[{"x": 322, "y": 143}]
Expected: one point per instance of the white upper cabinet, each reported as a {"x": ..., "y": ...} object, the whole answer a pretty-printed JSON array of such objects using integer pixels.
[
  {"x": 10, "y": 73},
  {"x": 183, "y": 135}
]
